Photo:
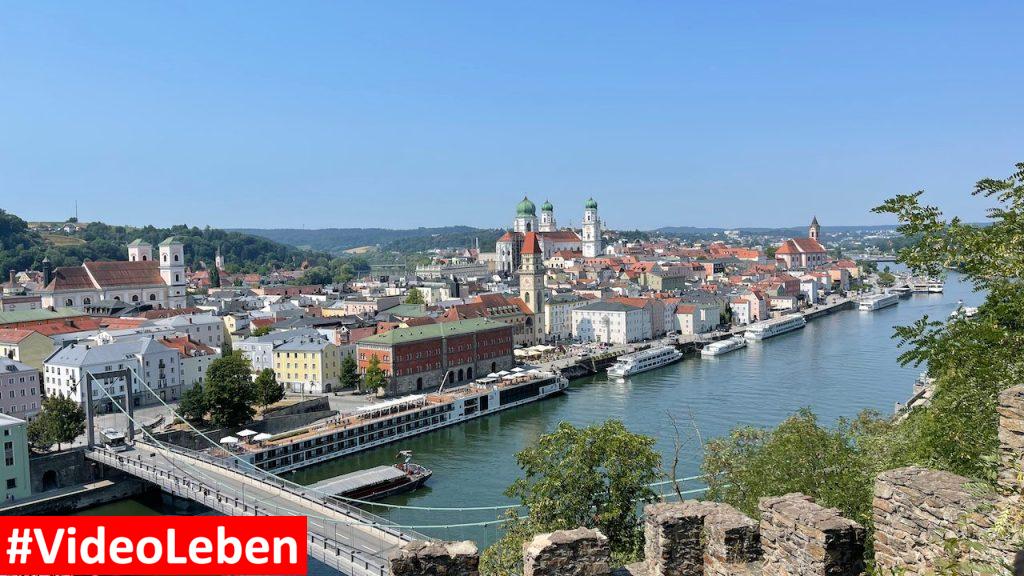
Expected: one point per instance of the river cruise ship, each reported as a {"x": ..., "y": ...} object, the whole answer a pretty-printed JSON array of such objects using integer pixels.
[
  {"x": 723, "y": 346},
  {"x": 877, "y": 302},
  {"x": 393, "y": 420},
  {"x": 643, "y": 361},
  {"x": 927, "y": 285},
  {"x": 775, "y": 326}
]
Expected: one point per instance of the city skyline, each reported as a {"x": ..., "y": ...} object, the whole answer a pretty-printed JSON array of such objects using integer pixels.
[{"x": 714, "y": 115}]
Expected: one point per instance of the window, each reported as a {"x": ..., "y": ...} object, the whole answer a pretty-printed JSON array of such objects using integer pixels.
[{"x": 11, "y": 484}]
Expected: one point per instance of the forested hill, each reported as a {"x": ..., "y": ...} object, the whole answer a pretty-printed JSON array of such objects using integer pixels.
[
  {"x": 22, "y": 248},
  {"x": 338, "y": 240}
]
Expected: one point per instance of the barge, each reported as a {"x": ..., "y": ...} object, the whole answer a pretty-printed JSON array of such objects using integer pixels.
[
  {"x": 378, "y": 424},
  {"x": 723, "y": 346},
  {"x": 375, "y": 483}
]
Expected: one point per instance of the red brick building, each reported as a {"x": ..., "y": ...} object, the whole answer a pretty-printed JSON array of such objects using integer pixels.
[{"x": 422, "y": 357}]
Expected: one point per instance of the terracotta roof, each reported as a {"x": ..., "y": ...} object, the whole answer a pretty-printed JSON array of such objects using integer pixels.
[
  {"x": 508, "y": 237},
  {"x": 70, "y": 278},
  {"x": 560, "y": 236},
  {"x": 800, "y": 246},
  {"x": 685, "y": 309},
  {"x": 420, "y": 321},
  {"x": 187, "y": 348},
  {"x": 116, "y": 274},
  {"x": 168, "y": 312},
  {"x": 530, "y": 244},
  {"x": 13, "y": 335}
]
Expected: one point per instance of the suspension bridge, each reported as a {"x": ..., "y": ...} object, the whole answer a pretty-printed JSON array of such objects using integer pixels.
[{"x": 342, "y": 535}]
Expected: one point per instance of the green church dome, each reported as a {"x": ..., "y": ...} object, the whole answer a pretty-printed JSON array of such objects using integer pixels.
[
  {"x": 591, "y": 204},
  {"x": 526, "y": 208},
  {"x": 546, "y": 207}
]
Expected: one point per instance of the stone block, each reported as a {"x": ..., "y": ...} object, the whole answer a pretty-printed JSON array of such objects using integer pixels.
[
  {"x": 420, "y": 558},
  {"x": 579, "y": 552},
  {"x": 798, "y": 536},
  {"x": 693, "y": 537}
]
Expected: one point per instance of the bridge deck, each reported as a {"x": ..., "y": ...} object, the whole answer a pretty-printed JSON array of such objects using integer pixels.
[{"x": 357, "y": 550}]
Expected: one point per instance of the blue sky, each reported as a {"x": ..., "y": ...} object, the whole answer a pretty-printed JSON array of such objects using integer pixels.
[{"x": 402, "y": 114}]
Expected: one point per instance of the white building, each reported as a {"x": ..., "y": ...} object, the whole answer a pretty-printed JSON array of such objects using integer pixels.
[
  {"x": 558, "y": 315},
  {"x": 698, "y": 318},
  {"x": 158, "y": 365},
  {"x": 14, "y": 467},
  {"x": 611, "y": 322},
  {"x": 140, "y": 280},
  {"x": 260, "y": 349},
  {"x": 202, "y": 328}
]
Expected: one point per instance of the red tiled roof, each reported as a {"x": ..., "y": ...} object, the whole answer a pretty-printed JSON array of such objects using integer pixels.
[
  {"x": 507, "y": 237},
  {"x": 117, "y": 274},
  {"x": 187, "y": 348},
  {"x": 168, "y": 312},
  {"x": 13, "y": 335},
  {"x": 530, "y": 244},
  {"x": 70, "y": 278},
  {"x": 560, "y": 236},
  {"x": 685, "y": 309},
  {"x": 800, "y": 246}
]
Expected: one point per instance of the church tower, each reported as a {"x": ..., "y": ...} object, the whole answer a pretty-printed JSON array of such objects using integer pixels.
[
  {"x": 814, "y": 230},
  {"x": 591, "y": 230},
  {"x": 547, "y": 217},
  {"x": 140, "y": 251},
  {"x": 531, "y": 284},
  {"x": 526, "y": 217},
  {"x": 172, "y": 270}
]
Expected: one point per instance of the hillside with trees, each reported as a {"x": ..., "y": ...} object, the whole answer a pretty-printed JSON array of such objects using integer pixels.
[
  {"x": 22, "y": 248},
  {"x": 338, "y": 240}
]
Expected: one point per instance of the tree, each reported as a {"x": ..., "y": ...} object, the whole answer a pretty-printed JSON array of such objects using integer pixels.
[
  {"x": 38, "y": 435},
  {"x": 60, "y": 421},
  {"x": 317, "y": 276},
  {"x": 375, "y": 377},
  {"x": 349, "y": 372},
  {"x": 260, "y": 331},
  {"x": 414, "y": 296},
  {"x": 192, "y": 405},
  {"x": 268, "y": 389},
  {"x": 214, "y": 277},
  {"x": 594, "y": 477},
  {"x": 230, "y": 393}
]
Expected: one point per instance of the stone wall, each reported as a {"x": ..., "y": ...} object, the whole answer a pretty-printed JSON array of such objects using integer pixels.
[
  {"x": 1011, "y": 439},
  {"x": 60, "y": 470},
  {"x": 915, "y": 510},
  {"x": 801, "y": 537},
  {"x": 579, "y": 552},
  {"x": 420, "y": 558}
]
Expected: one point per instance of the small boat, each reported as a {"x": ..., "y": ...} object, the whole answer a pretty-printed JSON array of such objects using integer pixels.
[
  {"x": 963, "y": 311},
  {"x": 877, "y": 302},
  {"x": 649, "y": 359},
  {"x": 902, "y": 291},
  {"x": 723, "y": 346},
  {"x": 927, "y": 285},
  {"x": 378, "y": 482}
]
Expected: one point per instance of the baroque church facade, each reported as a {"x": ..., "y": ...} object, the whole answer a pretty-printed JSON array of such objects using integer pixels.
[{"x": 549, "y": 237}]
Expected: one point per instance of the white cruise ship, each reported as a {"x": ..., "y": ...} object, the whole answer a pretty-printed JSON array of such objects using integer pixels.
[
  {"x": 927, "y": 285},
  {"x": 723, "y": 346},
  {"x": 877, "y": 302},
  {"x": 643, "y": 361},
  {"x": 774, "y": 327}
]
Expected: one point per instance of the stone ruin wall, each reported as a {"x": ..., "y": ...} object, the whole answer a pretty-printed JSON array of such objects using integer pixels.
[{"x": 915, "y": 510}]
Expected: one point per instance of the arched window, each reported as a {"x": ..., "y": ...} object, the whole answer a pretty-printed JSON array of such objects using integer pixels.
[
  {"x": 69, "y": 302},
  {"x": 175, "y": 257},
  {"x": 117, "y": 298},
  {"x": 526, "y": 297},
  {"x": 152, "y": 297},
  {"x": 164, "y": 257},
  {"x": 419, "y": 383},
  {"x": 469, "y": 373},
  {"x": 86, "y": 300},
  {"x": 461, "y": 374},
  {"x": 144, "y": 258},
  {"x": 177, "y": 278},
  {"x": 135, "y": 297}
]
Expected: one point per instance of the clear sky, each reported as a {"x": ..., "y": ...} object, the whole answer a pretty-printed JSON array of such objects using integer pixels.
[{"x": 426, "y": 113}]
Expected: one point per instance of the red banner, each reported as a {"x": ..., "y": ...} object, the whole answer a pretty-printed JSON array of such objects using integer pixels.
[{"x": 153, "y": 545}]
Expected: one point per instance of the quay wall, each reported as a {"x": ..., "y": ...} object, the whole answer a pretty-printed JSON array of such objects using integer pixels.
[
  {"x": 79, "y": 498},
  {"x": 923, "y": 519}
]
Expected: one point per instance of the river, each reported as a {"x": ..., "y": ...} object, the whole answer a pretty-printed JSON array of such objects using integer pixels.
[{"x": 838, "y": 365}]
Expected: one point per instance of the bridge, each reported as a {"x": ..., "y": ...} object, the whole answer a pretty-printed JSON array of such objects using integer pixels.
[{"x": 344, "y": 537}]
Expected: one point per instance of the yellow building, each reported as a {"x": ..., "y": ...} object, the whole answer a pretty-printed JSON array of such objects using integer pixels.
[
  {"x": 308, "y": 365},
  {"x": 25, "y": 346}
]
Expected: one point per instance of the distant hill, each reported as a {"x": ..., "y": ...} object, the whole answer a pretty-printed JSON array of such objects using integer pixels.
[
  {"x": 340, "y": 240},
  {"x": 767, "y": 231},
  {"x": 22, "y": 248}
]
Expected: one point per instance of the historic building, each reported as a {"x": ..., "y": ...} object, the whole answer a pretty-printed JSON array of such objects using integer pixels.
[
  {"x": 141, "y": 280},
  {"x": 551, "y": 239},
  {"x": 803, "y": 253},
  {"x": 531, "y": 283}
]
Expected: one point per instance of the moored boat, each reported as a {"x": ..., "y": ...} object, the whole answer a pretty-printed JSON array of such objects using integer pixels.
[
  {"x": 877, "y": 302},
  {"x": 774, "y": 327},
  {"x": 723, "y": 346},
  {"x": 643, "y": 361}
]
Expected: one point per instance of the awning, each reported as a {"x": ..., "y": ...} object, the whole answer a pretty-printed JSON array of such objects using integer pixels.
[
  {"x": 246, "y": 433},
  {"x": 261, "y": 437},
  {"x": 229, "y": 440}
]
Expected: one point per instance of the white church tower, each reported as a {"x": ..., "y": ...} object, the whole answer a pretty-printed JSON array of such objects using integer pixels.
[
  {"x": 591, "y": 230},
  {"x": 526, "y": 217},
  {"x": 140, "y": 251},
  {"x": 547, "y": 217},
  {"x": 814, "y": 230},
  {"x": 172, "y": 270}
]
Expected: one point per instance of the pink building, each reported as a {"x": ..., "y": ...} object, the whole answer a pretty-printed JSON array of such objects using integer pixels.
[
  {"x": 19, "y": 389},
  {"x": 803, "y": 253}
]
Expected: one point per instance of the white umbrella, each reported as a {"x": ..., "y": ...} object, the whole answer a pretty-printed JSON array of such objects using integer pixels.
[
  {"x": 246, "y": 433},
  {"x": 261, "y": 437},
  {"x": 492, "y": 375},
  {"x": 229, "y": 440},
  {"x": 518, "y": 369},
  {"x": 504, "y": 373}
]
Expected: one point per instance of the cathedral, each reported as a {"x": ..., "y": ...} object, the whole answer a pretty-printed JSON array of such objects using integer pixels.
[{"x": 550, "y": 238}]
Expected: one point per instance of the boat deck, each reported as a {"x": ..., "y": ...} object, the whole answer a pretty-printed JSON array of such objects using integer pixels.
[{"x": 356, "y": 480}]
